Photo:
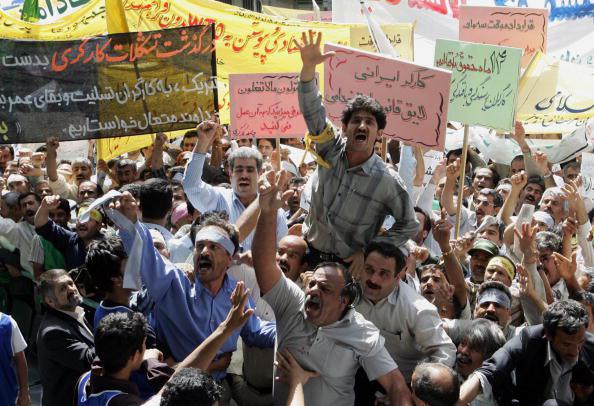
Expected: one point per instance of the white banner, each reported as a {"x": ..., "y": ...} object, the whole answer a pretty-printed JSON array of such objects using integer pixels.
[{"x": 570, "y": 34}]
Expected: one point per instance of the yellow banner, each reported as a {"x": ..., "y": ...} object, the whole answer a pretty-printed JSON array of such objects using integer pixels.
[
  {"x": 400, "y": 36},
  {"x": 552, "y": 93},
  {"x": 108, "y": 148},
  {"x": 247, "y": 42}
]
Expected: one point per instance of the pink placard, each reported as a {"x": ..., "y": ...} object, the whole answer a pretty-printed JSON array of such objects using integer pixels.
[
  {"x": 265, "y": 105},
  {"x": 517, "y": 27},
  {"x": 414, "y": 97}
]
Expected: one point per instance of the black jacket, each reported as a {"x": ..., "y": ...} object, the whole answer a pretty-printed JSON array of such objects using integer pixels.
[
  {"x": 526, "y": 354},
  {"x": 65, "y": 351}
]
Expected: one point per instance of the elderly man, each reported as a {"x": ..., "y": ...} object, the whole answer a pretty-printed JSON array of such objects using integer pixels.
[
  {"x": 409, "y": 323},
  {"x": 245, "y": 164},
  {"x": 355, "y": 189},
  {"x": 82, "y": 170},
  {"x": 536, "y": 366},
  {"x": 435, "y": 384},
  {"x": 478, "y": 342},
  {"x": 320, "y": 327}
]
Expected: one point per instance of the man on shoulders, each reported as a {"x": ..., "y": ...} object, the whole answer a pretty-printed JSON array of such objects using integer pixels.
[{"x": 355, "y": 190}]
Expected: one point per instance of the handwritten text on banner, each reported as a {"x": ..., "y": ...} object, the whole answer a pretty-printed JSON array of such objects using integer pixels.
[
  {"x": 117, "y": 85},
  {"x": 588, "y": 174},
  {"x": 552, "y": 92},
  {"x": 413, "y": 96},
  {"x": 265, "y": 105},
  {"x": 518, "y": 27},
  {"x": 484, "y": 82}
]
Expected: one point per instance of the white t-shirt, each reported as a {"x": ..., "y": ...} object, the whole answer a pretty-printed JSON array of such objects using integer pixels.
[{"x": 18, "y": 342}]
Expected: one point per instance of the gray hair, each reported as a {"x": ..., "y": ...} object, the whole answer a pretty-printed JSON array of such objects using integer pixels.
[
  {"x": 245, "y": 153},
  {"x": 547, "y": 240},
  {"x": 82, "y": 161},
  {"x": 47, "y": 282},
  {"x": 567, "y": 315},
  {"x": 554, "y": 191},
  {"x": 483, "y": 336}
]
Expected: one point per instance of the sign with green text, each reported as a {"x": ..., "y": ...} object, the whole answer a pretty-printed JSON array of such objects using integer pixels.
[{"x": 484, "y": 87}]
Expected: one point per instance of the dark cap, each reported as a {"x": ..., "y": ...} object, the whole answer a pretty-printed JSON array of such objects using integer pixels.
[{"x": 485, "y": 246}]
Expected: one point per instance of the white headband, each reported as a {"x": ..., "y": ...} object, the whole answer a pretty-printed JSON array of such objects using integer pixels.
[{"x": 212, "y": 235}]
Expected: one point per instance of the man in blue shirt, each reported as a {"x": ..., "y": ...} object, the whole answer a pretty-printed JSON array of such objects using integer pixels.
[{"x": 187, "y": 313}]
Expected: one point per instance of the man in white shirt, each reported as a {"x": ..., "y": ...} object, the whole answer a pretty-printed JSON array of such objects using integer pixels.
[{"x": 410, "y": 324}]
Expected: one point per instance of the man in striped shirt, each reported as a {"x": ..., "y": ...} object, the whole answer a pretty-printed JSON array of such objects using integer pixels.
[{"x": 355, "y": 189}]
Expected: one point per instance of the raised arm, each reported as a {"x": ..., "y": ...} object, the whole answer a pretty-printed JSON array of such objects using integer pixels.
[
  {"x": 518, "y": 182},
  {"x": 51, "y": 157},
  {"x": 447, "y": 195},
  {"x": 157, "y": 155},
  {"x": 268, "y": 272},
  {"x": 310, "y": 99},
  {"x": 203, "y": 196},
  {"x": 453, "y": 270}
]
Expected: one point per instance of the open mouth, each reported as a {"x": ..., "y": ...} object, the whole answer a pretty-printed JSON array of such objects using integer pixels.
[
  {"x": 80, "y": 178},
  {"x": 463, "y": 359},
  {"x": 205, "y": 264},
  {"x": 491, "y": 317},
  {"x": 529, "y": 199},
  {"x": 30, "y": 213},
  {"x": 312, "y": 303},
  {"x": 360, "y": 137},
  {"x": 244, "y": 183},
  {"x": 284, "y": 266}
]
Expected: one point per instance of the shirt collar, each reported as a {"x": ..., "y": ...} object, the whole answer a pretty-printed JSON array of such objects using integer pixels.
[
  {"x": 552, "y": 357},
  {"x": 78, "y": 314},
  {"x": 366, "y": 166},
  {"x": 227, "y": 287}
]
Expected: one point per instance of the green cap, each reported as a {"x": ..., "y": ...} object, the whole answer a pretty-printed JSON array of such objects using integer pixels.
[{"x": 486, "y": 246}]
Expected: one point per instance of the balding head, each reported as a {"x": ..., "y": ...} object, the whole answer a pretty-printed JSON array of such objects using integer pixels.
[
  {"x": 435, "y": 384},
  {"x": 291, "y": 256}
]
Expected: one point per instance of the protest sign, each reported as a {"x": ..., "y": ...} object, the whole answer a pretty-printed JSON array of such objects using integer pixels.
[
  {"x": 570, "y": 34},
  {"x": 553, "y": 92},
  {"x": 107, "y": 86},
  {"x": 587, "y": 172},
  {"x": 265, "y": 105},
  {"x": 516, "y": 27},
  {"x": 484, "y": 82},
  {"x": 413, "y": 96},
  {"x": 399, "y": 35}
]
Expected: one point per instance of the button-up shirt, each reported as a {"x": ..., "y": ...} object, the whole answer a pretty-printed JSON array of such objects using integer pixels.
[
  {"x": 349, "y": 205},
  {"x": 335, "y": 351},
  {"x": 558, "y": 387},
  {"x": 21, "y": 236},
  {"x": 205, "y": 197},
  {"x": 186, "y": 313},
  {"x": 412, "y": 328}
]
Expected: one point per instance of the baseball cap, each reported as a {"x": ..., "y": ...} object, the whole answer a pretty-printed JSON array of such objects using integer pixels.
[{"x": 485, "y": 246}]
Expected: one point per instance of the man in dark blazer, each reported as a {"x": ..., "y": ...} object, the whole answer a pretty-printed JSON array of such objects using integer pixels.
[
  {"x": 542, "y": 358},
  {"x": 65, "y": 339}
]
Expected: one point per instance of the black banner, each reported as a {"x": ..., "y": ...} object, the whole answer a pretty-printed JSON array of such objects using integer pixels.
[{"x": 108, "y": 86}]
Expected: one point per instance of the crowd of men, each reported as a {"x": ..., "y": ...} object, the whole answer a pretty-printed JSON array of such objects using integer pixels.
[{"x": 222, "y": 272}]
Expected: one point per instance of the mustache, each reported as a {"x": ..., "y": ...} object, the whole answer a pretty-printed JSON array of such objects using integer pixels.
[{"x": 372, "y": 285}]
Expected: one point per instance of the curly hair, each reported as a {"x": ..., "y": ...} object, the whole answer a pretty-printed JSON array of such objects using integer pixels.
[
  {"x": 364, "y": 103},
  {"x": 191, "y": 386},
  {"x": 118, "y": 337},
  {"x": 567, "y": 315}
]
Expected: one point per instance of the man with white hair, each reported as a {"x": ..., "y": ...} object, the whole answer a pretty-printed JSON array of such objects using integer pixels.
[
  {"x": 245, "y": 165},
  {"x": 554, "y": 203},
  {"x": 18, "y": 183},
  {"x": 81, "y": 171}
]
